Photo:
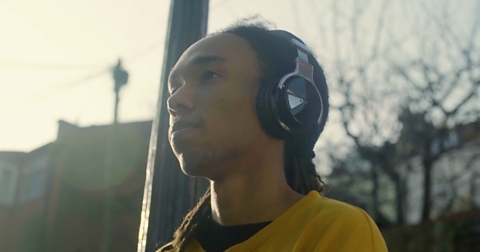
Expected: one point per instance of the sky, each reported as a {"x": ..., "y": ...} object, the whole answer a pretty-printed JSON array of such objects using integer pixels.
[{"x": 55, "y": 57}]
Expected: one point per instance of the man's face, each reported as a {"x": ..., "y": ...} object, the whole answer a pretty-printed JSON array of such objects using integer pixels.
[{"x": 214, "y": 83}]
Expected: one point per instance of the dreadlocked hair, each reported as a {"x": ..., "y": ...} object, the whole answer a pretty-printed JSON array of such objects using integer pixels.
[{"x": 276, "y": 58}]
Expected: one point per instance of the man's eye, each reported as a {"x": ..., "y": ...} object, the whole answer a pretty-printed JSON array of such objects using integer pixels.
[{"x": 208, "y": 75}]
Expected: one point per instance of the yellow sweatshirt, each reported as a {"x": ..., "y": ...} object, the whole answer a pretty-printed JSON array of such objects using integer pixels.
[{"x": 314, "y": 224}]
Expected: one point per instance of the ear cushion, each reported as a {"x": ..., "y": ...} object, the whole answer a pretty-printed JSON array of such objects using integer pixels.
[{"x": 266, "y": 116}]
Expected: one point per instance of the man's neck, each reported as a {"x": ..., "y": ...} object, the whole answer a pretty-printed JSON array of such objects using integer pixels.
[{"x": 252, "y": 197}]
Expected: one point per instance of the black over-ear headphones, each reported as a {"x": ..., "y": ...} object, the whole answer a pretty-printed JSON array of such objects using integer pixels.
[{"x": 291, "y": 105}]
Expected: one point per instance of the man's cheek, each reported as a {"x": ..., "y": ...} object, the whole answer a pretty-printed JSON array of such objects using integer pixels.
[{"x": 224, "y": 106}]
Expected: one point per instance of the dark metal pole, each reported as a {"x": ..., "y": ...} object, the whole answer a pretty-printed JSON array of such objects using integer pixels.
[{"x": 168, "y": 193}]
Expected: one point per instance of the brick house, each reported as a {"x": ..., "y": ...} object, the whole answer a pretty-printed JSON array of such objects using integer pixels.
[{"x": 81, "y": 193}]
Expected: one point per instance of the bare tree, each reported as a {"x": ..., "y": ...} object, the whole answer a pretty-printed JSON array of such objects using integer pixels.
[
  {"x": 365, "y": 105},
  {"x": 443, "y": 83},
  {"x": 377, "y": 73}
]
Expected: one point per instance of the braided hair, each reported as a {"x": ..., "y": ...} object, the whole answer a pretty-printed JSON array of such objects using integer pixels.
[{"x": 276, "y": 58}]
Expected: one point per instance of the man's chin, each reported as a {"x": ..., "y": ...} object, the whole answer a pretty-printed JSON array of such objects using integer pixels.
[
  {"x": 193, "y": 165},
  {"x": 194, "y": 171}
]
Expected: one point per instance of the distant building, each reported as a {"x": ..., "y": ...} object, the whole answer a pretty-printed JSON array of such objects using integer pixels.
[
  {"x": 22, "y": 193},
  {"x": 56, "y": 197},
  {"x": 9, "y": 171}
]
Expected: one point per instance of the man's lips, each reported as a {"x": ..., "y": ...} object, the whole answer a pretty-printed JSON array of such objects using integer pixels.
[
  {"x": 184, "y": 129},
  {"x": 183, "y": 132}
]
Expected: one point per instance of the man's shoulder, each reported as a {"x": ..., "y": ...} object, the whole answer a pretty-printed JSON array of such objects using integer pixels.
[
  {"x": 331, "y": 212},
  {"x": 331, "y": 219},
  {"x": 335, "y": 207}
]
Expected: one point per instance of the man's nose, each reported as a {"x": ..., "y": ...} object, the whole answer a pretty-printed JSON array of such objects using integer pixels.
[{"x": 182, "y": 101}]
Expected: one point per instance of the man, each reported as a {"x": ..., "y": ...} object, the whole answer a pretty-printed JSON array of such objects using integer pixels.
[{"x": 246, "y": 108}]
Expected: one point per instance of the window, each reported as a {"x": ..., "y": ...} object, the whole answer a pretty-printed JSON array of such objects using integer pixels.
[
  {"x": 8, "y": 181},
  {"x": 33, "y": 185},
  {"x": 33, "y": 180}
]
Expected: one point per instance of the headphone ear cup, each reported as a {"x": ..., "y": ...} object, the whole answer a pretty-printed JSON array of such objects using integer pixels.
[{"x": 265, "y": 113}]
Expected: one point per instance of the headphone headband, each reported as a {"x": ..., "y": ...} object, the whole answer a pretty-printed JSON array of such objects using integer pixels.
[{"x": 302, "y": 49}]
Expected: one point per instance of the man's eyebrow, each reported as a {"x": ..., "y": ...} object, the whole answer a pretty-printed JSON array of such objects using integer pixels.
[
  {"x": 207, "y": 59},
  {"x": 199, "y": 61}
]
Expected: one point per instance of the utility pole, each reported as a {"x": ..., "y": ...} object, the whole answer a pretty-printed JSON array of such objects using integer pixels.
[
  {"x": 120, "y": 76},
  {"x": 169, "y": 194}
]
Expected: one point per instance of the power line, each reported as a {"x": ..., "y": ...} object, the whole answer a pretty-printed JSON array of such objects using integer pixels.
[
  {"x": 63, "y": 87},
  {"x": 18, "y": 64},
  {"x": 152, "y": 47},
  {"x": 57, "y": 89},
  {"x": 60, "y": 88}
]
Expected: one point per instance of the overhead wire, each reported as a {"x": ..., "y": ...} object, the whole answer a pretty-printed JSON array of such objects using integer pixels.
[
  {"x": 18, "y": 64},
  {"x": 63, "y": 87},
  {"x": 56, "y": 89}
]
